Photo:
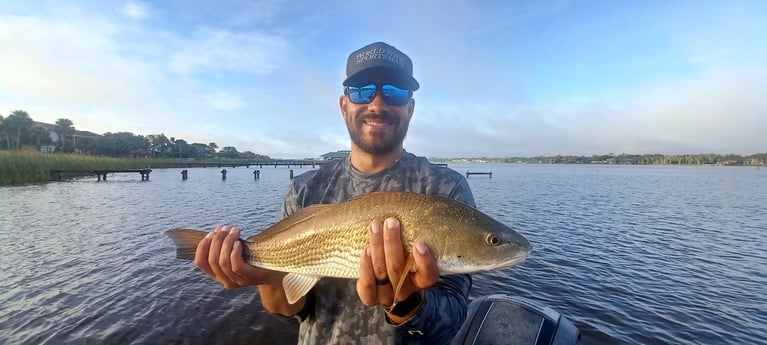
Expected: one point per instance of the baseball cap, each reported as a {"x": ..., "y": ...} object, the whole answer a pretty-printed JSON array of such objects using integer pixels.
[{"x": 380, "y": 56}]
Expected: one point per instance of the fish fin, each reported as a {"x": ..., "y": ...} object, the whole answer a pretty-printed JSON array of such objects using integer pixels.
[
  {"x": 297, "y": 285},
  {"x": 186, "y": 241},
  {"x": 294, "y": 219},
  {"x": 409, "y": 266}
]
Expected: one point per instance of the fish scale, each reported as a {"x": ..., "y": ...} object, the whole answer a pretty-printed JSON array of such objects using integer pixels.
[
  {"x": 331, "y": 253},
  {"x": 327, "y": 259}
]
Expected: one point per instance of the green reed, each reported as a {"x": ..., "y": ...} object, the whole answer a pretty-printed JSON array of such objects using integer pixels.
[{"x": 34, "y": 167}]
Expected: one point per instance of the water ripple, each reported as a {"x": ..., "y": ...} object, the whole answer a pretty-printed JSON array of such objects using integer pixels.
[{"x": 654, "y": 255}]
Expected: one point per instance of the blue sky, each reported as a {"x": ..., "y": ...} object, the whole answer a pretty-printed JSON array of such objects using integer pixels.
[{"x": 498, "y": 78}]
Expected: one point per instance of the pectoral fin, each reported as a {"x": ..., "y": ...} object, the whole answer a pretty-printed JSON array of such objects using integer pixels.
[{"x": 298, "y": 285}]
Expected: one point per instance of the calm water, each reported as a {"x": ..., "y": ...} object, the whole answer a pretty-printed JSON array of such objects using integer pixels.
[{"x": 652, "y": 255}]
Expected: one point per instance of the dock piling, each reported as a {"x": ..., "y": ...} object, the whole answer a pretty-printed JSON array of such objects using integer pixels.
[{"x": 469, "y": 173}]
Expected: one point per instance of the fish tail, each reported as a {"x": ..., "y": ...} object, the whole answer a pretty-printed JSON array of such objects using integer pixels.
[{"x": 186, "y": 241}]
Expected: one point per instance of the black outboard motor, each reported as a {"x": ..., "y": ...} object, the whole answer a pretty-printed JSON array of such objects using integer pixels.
[{"x": 502, "y": 319}]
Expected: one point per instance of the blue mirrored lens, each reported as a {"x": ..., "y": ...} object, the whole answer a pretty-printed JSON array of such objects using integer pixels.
[
  {"x": 365, "y": 94},
  {"x": 394, "y": 95},
  {"x": 361, "y": 95}
]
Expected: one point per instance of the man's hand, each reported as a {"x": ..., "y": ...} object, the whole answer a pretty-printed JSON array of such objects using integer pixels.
[
  {"x": 383, "y": 261},
  {"x": 219, "y": 255}
]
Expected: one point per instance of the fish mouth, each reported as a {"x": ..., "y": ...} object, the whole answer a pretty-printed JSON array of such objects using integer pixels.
[
  {"x": 512, "y": 261},
  {"x": 459, "y": 267}
]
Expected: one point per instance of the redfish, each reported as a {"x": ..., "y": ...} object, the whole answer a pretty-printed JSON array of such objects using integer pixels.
[{"x": 326, "y": 240}]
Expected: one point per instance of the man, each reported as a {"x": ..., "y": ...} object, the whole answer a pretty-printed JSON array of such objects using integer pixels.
[{"x": 377, "y": 106}]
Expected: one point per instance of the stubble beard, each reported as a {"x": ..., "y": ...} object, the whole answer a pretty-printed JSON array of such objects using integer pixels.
[{"x": 378, "y": 143}]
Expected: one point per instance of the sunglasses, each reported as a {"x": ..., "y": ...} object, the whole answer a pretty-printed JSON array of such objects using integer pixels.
[{"x": 392, "y": 95}]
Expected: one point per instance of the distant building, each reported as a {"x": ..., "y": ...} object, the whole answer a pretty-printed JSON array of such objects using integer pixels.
[
  {"x": 55, "y": 136},
  {"x": 338, "y": 155}
]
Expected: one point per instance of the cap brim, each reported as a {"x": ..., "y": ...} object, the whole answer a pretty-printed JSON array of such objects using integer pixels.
[{"x": 394, "y": 76}]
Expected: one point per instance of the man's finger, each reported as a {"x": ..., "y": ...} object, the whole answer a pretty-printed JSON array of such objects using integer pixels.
[
  {"x": 393, "y": 249},
  {"x": 240, "y": 268},
  {"x": 201, "y": 254},
  {"x": 224, "y": 260},
  {"x": 366, "y": 283},
  {"x": 376, "y": 250},
  {"x": 215, "y": 251},
  {"x": 427, "y": 271}
]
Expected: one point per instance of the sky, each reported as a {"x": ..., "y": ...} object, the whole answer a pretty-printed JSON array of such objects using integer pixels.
[{"x": 498, "y": 78}]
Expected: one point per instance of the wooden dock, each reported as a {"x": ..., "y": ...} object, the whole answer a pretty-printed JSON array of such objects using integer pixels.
[
  {"x": 469, "y": 173},
  {"x": 275, "y": 163},
  {"x": 101, "y": 174},
  {"x": 58, "y": 175}
]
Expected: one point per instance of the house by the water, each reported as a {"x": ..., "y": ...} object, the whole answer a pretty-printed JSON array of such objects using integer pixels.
[{"x": 55, "y": 136}]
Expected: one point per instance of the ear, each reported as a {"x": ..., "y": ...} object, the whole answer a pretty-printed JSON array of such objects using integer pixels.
[
  {"x": 342, "y": 105},
  {"x": 410, "y": 108}
]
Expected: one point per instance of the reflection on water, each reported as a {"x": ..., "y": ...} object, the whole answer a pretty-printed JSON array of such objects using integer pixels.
[{"x": 630, "y": 254}]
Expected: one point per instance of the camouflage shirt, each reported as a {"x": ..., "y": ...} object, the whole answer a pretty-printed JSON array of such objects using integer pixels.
[{"x": 334, "y": 313}]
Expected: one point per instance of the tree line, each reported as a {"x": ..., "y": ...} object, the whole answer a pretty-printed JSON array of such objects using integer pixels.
[
  {"x": 19, "y": 129},
  {"x": 629, "y": 159}
]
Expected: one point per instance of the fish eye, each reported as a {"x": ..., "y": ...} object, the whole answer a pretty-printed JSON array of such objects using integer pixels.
[{"x": 493, "y": 240}]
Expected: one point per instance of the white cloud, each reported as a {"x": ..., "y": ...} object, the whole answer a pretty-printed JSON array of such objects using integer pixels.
[
  {"x": 53, "y": 58},
  {"x": 719, "y": 111},
  {"x": 109, "y": 78},
  {"x": 220, "y": 50},
  {"x": 135, "y": 10},
  {"x": 268, "y": 81},
  {"x": 225, "y": 100}
]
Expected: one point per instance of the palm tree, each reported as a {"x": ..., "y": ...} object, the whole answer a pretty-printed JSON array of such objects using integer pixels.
[
  {"x": 16, "y": 123},
  {"x": 64, "y": 127}
]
